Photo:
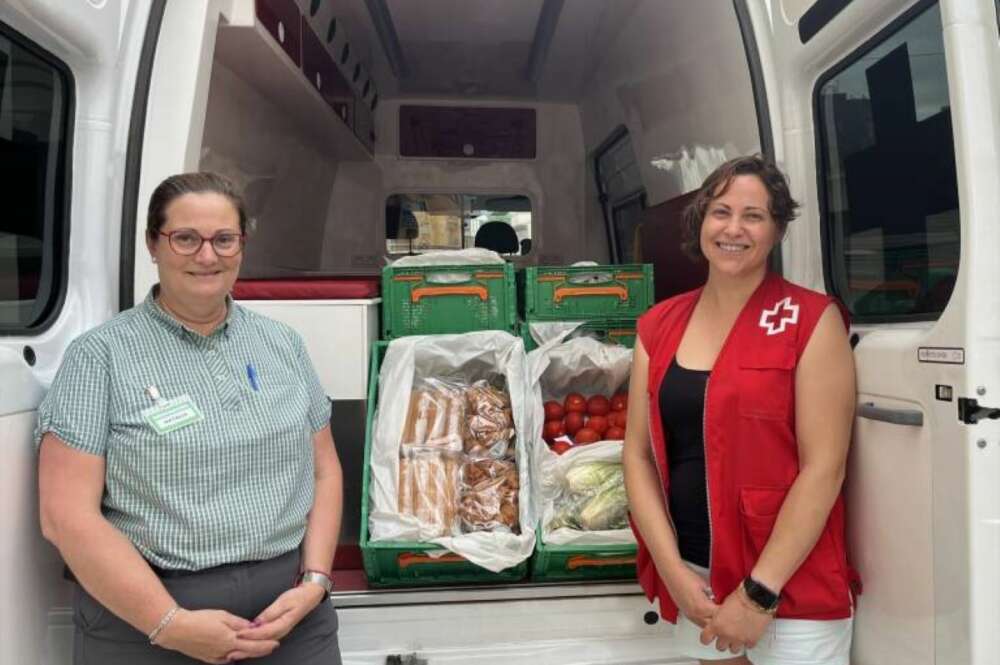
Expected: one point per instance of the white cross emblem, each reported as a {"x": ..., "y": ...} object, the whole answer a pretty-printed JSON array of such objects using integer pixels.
[{"x": 775, "y": 324}]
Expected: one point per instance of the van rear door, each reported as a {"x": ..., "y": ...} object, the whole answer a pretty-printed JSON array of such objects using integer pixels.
[{"x": 885, "y": 117}]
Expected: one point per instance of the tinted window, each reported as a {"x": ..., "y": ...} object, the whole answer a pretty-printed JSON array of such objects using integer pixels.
[
  {"x": 887, "y": 179},
  {"x": 622, "y": 195},
  {"x": 34, "y": 107},
  {"x": 423, "y": 222}
]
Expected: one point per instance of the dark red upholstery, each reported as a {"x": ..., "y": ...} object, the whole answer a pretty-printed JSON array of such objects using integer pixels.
[
  {"x": 319, "y": 288},
  {"x": 660, "y": 238}
]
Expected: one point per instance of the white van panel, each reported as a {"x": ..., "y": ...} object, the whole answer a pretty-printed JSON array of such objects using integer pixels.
[{"x": 338, "y": 336}]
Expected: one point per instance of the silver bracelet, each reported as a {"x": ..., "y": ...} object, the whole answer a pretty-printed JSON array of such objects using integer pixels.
[{"x": 167, "y": 618}]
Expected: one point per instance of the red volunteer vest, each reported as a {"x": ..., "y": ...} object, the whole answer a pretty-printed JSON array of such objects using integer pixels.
[{"x": 751, "y": 455}]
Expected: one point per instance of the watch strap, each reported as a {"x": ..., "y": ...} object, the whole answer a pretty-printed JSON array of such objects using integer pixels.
[{"x": 760, "y": 595}]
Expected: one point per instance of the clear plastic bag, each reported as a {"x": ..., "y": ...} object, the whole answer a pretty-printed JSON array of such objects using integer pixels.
[
  {"x": 436, "y": 417},
  {"x": 489, "y": 496},
  {"x": 428, "y": 489},
  {"x": 592, "y": 498},
  {"x": 489, "y": 421}
]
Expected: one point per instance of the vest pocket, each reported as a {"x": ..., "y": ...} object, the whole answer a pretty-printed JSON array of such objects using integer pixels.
[
  {"x": 818, "y": 586},
  {"x": 766, "y": 382}
]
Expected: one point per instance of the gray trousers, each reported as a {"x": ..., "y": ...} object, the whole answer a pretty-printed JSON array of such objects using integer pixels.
[{"x": 101, "y": 638}]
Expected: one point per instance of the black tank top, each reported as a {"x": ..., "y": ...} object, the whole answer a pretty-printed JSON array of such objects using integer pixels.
[{"x": 682, "y": 408}]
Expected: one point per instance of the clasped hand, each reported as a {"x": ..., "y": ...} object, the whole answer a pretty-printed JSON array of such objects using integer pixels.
[
  {"x": 217, "y": 637},
  {"x": 736, "y": 625}
]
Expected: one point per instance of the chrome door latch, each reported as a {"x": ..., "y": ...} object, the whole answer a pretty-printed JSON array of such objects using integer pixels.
[{"x": 970, "y": 413}]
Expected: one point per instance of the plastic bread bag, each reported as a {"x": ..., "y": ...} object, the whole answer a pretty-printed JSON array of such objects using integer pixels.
[
  {"x": 495, "y": 357},
  {"x": 582, "y": 365},
  {"x": 436, "y": 417},
  {"x": 489, "y": 491},
  {"x": 428, "y": 490},
  {"x": 489, "y": 421},
  {"x": 584, "y": 497}
]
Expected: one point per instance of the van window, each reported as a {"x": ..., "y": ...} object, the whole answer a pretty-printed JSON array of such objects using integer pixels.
[
  {"x": 34, "y": 110},
  {"x": 422, "y": 222},
  {"x": 887, "y": 181},
  {"x": 622, "y": 195}
]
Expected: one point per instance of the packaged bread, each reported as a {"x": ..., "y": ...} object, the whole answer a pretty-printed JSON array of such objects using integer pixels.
[
  {"x": 435, "y": 417},
  {"x": 489, "y": 421},
  {"x": 489, "y": 496},
  {"x": 428, "y": 489}
]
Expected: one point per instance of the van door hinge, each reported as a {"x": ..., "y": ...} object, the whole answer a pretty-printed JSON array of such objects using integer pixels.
[{"x": 970, "y": 413}]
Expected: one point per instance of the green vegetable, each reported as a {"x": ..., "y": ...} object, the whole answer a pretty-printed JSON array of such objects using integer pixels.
[
  {"x": 591, "y": 476},
  {"x": 607, "y": 510}
]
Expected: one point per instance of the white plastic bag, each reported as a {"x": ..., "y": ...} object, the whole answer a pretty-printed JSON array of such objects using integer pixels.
[
  {"x": 473, "y": 256},
  {"x": 557, "y": 368},
  {"x": 456, "y": 360}
]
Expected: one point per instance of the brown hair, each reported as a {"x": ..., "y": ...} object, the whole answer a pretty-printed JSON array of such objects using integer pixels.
[
  {"x": 781, "y": 205},
  {"x": 190, "y": 183}
]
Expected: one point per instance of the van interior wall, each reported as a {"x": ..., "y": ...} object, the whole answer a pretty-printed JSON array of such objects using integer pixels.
[
  {"x": 554, "y": 182},
  {"x": 287, "y": 182},
  {"x": 676, "y": 76}
]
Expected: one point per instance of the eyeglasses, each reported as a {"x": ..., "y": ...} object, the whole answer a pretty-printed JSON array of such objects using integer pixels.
[{"x": 188, "y": 242}]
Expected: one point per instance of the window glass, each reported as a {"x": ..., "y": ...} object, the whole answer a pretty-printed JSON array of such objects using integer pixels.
[
  {"x": 622, "y": 195},
  {"x": 33, "y": 114},
  {"x": 888, "y": 184},
  {"x": 423, "y": 222}
]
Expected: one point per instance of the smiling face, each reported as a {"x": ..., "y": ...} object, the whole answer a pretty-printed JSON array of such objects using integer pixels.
[
  {"x": 738, "y": 231},
  {"x": 201, "y": 280}
]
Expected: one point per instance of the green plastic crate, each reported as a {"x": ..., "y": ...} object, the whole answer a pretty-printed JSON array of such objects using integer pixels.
[
  {"x": 433, "y": 300},
  {"x": 588, "y": 293},
  {"x": 405, "y": 563},
  {"x": 561, "y": 563},
  {"x": 611, "y": 331}
]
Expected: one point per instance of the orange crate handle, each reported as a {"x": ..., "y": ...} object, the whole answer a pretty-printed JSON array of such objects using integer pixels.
[
  {"x": 407, "y": 559},
  {"x": 584, "y": 561},
  {"x": 621, "y": 333},
  {"x": 563, "y": 292},
  {"x": 432, "y": 291}
]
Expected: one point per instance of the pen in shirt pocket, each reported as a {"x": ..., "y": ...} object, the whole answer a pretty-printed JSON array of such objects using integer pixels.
[{"x": 252, "y": 376}]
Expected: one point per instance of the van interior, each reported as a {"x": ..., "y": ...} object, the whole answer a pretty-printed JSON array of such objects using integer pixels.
[{"x": 551, "y": 132}]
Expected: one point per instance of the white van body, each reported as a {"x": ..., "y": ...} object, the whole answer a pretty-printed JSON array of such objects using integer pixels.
[{"x": 157, "y": 88}]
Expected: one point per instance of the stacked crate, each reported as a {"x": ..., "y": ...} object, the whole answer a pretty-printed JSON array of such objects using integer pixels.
[
  {"x": 607, "y": 300},
  {"x": 431, "y": 300}
]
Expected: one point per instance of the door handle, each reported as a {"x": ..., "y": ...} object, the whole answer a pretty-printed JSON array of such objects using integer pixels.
[{"x": 909, "y": 417}]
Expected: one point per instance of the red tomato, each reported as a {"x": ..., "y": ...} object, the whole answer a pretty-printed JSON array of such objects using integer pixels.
[
  {"x": 586, "y": 435},
  {"x": 619, "y": 402},
  {"x": 573, "y": 422},
  {"x": 614, "y": 434},
  {"x": 598, "y": 423},
  {"x": 559, "y": 447},
  {"x": 554, "y": 410},
  {"x": 598, "y": 405},
  {"x": 553, "y": 429},
  {"x": 618, "y": 419},
  {"x": 575, "y": 402}
]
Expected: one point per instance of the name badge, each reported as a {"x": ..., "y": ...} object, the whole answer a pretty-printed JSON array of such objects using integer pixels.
[{"x": 170, "y": 415}]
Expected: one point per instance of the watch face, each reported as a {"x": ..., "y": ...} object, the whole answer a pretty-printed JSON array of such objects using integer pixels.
[{"x": 760, "y": 594}]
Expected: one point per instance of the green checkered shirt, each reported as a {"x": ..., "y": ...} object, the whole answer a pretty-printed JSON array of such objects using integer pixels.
[{"x": 236, "y": 486}]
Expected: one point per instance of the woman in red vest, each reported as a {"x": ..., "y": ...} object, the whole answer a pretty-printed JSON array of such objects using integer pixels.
[{"x": 741, "y": 405}]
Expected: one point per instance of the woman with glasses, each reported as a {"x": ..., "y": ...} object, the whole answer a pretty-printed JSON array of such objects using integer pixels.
[{"x": 187, "y": 473}]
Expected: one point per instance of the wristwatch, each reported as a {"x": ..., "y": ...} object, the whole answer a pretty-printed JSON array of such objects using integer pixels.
[
  {"x": 316, "y": 577},
  {"x": 765, "y": 599}
]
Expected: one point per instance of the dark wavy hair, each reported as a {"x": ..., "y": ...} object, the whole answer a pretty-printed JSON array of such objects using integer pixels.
[
  {"x": 782, "y": 206},
  {"x": 190, "y": 183}
]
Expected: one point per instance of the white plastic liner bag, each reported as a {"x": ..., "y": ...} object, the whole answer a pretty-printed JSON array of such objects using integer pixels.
[
  {"x": 473, "y": 256},
  {"x": 461, "y": 360},
  {"x": 582, "y": 365}
]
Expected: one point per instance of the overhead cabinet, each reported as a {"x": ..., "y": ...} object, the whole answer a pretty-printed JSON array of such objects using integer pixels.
[
  {"x": 276, "y": 51},
  {"x": 466, "y": 132}
]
